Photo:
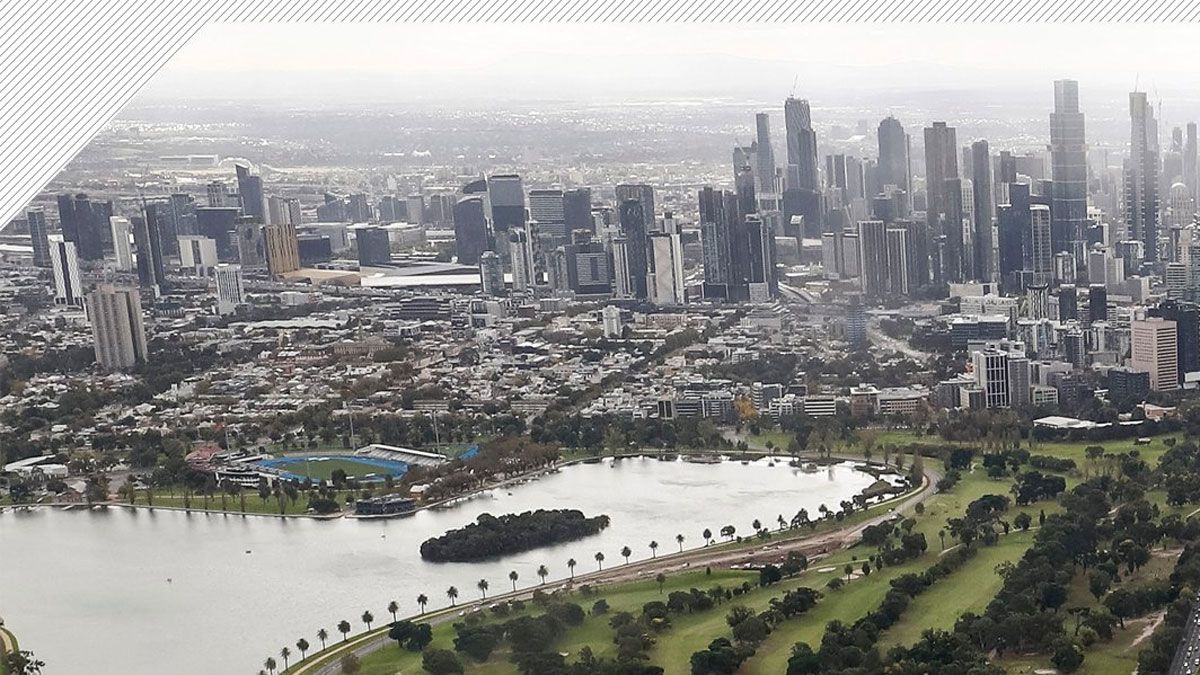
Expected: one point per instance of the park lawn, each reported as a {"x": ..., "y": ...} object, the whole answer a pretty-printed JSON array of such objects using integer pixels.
[
  {"x": 969, "y": 589},
  {"x": 1150, "y": 452},
  {"x": 594, "y": 631},
  {"x": 254, "y": 503},
  {"x": 1118, "y": 657}
]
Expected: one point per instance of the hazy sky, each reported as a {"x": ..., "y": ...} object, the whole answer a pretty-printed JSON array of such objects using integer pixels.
[{"x": 446, "y": 61}]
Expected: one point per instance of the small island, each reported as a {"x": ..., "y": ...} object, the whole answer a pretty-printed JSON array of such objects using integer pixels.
[{"x": 490, "y": 536}]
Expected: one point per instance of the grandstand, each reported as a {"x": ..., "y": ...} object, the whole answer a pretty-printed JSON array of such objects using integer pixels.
[{"x": 397, "y": 454}]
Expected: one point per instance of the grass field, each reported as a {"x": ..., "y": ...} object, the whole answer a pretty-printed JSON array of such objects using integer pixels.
[
  {"x": 969, "y": 589},
  {"x": 319, "y": 469},
  {"x": 231, "y": 503}
]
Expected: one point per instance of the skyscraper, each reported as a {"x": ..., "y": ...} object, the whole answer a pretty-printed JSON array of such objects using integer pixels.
[
  {"x": 760, "y": 244},
  {"x": 64, "y": 263},
  {"x": 717, "y": 215},
  {"x": 943, "y": 200},
  {"x": 117, "y": 327},
  {"x": 764, "y": 171},
  {"x": 85, "y": 223},
  {"x": 470, "y": 229},
  {"x": 1141, "y": 176},
  {"x": 1155, "y": 351},
  {"x": 230, "y": 292},
  {"x": 521, "y": 255},
  {"x": 147, "y": 240},
  {"x": 898, "y": 256},
  {"x": 491, "y": 274},
  {"x": 983, "y": 213},
  {"x": 39, "y": 237},
  {"x": 635, "y": 230},
  {"x": 122, "y": 233},
  {"x": 665, "y": 266},
  {"x": 894, "y": 157},
  {"x": 1068, "y": 167},
  {"x": 1040, "y": 258},
  {"x": 507, "y": 196},
  {"x": 546, "y": 208},
  {"x": 1189, "y": 162},
  {"x": 577, "y": 209},
  {"x": 374, "y": 246},
  {"x": 250, "y": 189},
  {"x": 873, "y": 257},
  {"x": 801, "y": 146},
  {"x": 283, "y": 250}
]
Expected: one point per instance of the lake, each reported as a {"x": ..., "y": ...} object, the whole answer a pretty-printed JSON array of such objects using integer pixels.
[{"x": 88, "y": 591}]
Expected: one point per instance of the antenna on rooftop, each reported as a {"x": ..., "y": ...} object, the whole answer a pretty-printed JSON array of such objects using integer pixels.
[{"x": 795, "y": 81}]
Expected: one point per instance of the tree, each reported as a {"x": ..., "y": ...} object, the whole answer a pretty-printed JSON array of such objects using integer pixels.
[
  {"x": 513, "y": 576},
  {"x": 1122, "y": 604},
  {"x": 848, "y": 569},
  {"x": 1066, "y": 658},
  {"x": 707, "y": 536},
  {"x": 441, "y": 662},
  {"x": 285, "y": 654},
  {"x": 482, "y": 585},
  {"x": 543, "y": 573},
  {"x": 600, "y": 559},
  {"x": 571, "y": 566},
  {"x": 392, "y": 608},
  {"x": 367, "y": 618},
  {"x": 1099, "y": 582},
  {"x": 302, "y": 645},
  {"x": 452, "y": 593},
  {"x": 653, "y": 549},
  {"x": 1023, "y": 521},
  {"x": 679, "y": 540},
  {"x": 322, "y": 635},
  {"x": 803, "y": 660},
  {"x": 344, "y": 628},
  {"x": 625, "y": 553},
  {"x": 422, "y": 601},
  {"x": 270, "y": 664},
  {"x": 661, "y": 579}
]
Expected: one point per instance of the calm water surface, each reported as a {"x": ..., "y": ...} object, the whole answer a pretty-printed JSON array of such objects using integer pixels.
[{"x": 88, "y": 591}]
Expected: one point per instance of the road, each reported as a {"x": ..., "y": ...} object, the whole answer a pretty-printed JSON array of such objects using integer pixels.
[
  {"x": 773, "y": 551},
  {"x": 1187, "y": 654},
  {"x": 878, "y": 338}
]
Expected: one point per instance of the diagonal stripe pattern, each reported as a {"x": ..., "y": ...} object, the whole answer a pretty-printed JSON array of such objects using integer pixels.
[{"x": 71, "y": 65}]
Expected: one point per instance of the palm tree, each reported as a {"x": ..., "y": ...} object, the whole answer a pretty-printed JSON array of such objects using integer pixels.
[
  {"x": 392, "y": 608},
  {"x": 482, "y": 586},
  {"x": 344, "y": 628},
  {"x": 571, "y": 566},
  {"x": 782, "y": 523},
  {"x": 654, "y": 549},
  {"x": 422, "y": 600},
  {"x": 452, "y": 593},
  {"x": 679, "y": 540},
  {"x": 270, "y": 664},
  {"x": 322, "y": 635},
  {"x": 543, "y": 573},
  {"x": 661, "y": 579},
  {"x": 757, "y": 525},
  {"x": 367, "y": 618},
  {"x": 286, "y": 654},
  {"x": 600, "y": 559},
  {"x": 302, "y": 645},
  {"x": 625, "y": 553},
  {"x": 513, "y": 576},
  {"x": 707, "y": 536}
]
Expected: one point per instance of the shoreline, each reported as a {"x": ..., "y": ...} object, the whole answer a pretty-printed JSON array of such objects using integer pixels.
[{"x": 751, "y": 455}]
